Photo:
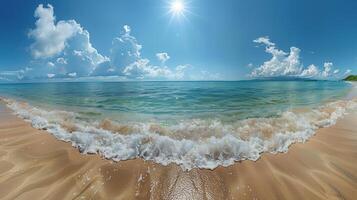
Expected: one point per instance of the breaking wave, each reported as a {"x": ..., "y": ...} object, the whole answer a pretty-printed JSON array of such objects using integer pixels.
[{"x": 191, "y": 144}]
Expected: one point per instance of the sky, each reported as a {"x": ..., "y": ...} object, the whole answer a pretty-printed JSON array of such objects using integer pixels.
[{"x": 158, "y": 40}]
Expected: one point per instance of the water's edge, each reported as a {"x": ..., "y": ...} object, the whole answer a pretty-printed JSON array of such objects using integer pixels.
[{"x": 207, "y": 153}]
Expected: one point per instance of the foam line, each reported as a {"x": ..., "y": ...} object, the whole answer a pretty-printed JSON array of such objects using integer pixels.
[{"x": 190, "y": 144}]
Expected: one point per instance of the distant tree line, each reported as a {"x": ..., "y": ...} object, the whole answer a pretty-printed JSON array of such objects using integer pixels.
[{"x": 351, "y": 78}]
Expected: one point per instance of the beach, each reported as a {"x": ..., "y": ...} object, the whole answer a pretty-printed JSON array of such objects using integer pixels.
[
  {"x": 178, "y": 99},
  {"x": 35, "y": 165}
]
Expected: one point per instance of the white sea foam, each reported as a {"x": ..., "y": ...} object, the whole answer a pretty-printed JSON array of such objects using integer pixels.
[{"x": 190, "y": 144}]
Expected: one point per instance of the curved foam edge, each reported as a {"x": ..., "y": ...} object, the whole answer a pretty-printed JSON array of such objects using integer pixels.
[{"x": 207, "y": 153}]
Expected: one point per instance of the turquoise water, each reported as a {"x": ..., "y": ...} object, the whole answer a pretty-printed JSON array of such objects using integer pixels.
[
  {"x": 170, "y": 101},
  {"x": 192, "y": 124}
]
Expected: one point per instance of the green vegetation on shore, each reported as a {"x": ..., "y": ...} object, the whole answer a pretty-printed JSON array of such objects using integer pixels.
[{"x": 351, "y": 78}]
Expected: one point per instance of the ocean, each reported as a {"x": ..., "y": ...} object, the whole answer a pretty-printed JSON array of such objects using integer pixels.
[{"x": 192, "y": 124}]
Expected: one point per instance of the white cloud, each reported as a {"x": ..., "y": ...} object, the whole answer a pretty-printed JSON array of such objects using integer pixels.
[
  {"x": 126, "y": 60},
  {"x": 51, "y": 75},
  {"x": 283, "y": 64},
  {"x": 50, "y": 38},
  {"x": 124, "y": 52},
  {"x": 348, "y": 71},
  {"x": 162, "y": 57},
  {"x": 64, "y": 44},
  {"x": 125, "y": 49},
  {"x": 142, "y": 69},
  {"x": 73, "y": 74},
  {"x": 264, "y": 40},
  {"x": 62, "y": 61},
  {"x": 327, "y": 69},
  {"x": 310, "y": 71},
  {"x": 127, "y": 29},
  {"x": 50, "y": 64},
  {"x": 180, "y": 71},
  {"x": 62, "y": 49}
]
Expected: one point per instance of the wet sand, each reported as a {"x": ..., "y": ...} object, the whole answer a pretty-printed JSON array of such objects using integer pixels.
[{"x": 34, "y": 165}]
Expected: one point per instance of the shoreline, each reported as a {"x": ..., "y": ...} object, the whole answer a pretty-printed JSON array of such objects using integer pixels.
[
  {"x": 300, "y": 125},
  {"x": 35, "y": 164}
]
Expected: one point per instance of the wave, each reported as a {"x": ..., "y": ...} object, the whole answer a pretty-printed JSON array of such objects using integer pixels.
[{"x": 191, "y": 144}]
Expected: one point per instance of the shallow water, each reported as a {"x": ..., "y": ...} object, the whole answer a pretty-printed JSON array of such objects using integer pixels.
[
  {"x": 194, "y": 124},
  {"x": 163, "y": 101}
]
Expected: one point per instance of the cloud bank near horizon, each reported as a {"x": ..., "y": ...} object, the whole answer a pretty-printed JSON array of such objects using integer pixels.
[
  {"x": 288, "y": 64},
  {"x": 62, "y": 49}
]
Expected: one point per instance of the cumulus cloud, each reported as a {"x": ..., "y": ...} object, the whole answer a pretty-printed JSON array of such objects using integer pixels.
[
  {"x": 126, "y": 60},
  {"x": 327, "y": 69},
  {"x": 73, "y": 74},
  {"x": 64, "y": 45},
  {"x": 162, "y": 57},
  {"x": 62, "y": 49},
  {"x": 142, "y": 69},
  {"x": 125, "y": 51},
  {"x": 310, "y": 71},
  {"x": 281, "y": 63},
  {"x": 264, "y": 40},
  {"x": 288, "y": 64},
  {"x": 50, "y": 38},
  {"x": 51, "y": 75}
]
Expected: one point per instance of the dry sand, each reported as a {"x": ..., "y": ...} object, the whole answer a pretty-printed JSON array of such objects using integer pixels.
[{"x": 34, "y": 165}]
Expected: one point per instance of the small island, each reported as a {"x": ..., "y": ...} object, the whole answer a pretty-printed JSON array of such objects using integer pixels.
[{"x": 351, "y": 78}]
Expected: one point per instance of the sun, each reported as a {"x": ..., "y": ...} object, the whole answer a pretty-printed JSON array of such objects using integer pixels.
[
  {"x": 179, "y": 10},
  {"x": 177, "y": 7}
]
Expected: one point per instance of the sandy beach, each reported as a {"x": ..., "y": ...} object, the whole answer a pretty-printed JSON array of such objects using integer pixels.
[
  {"x": 34, "y": 165},
  {"x": 178, "y": 99}
]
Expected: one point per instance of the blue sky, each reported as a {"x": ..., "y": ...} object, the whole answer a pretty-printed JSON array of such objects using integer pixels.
[{"x": 211, "y": 39}]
